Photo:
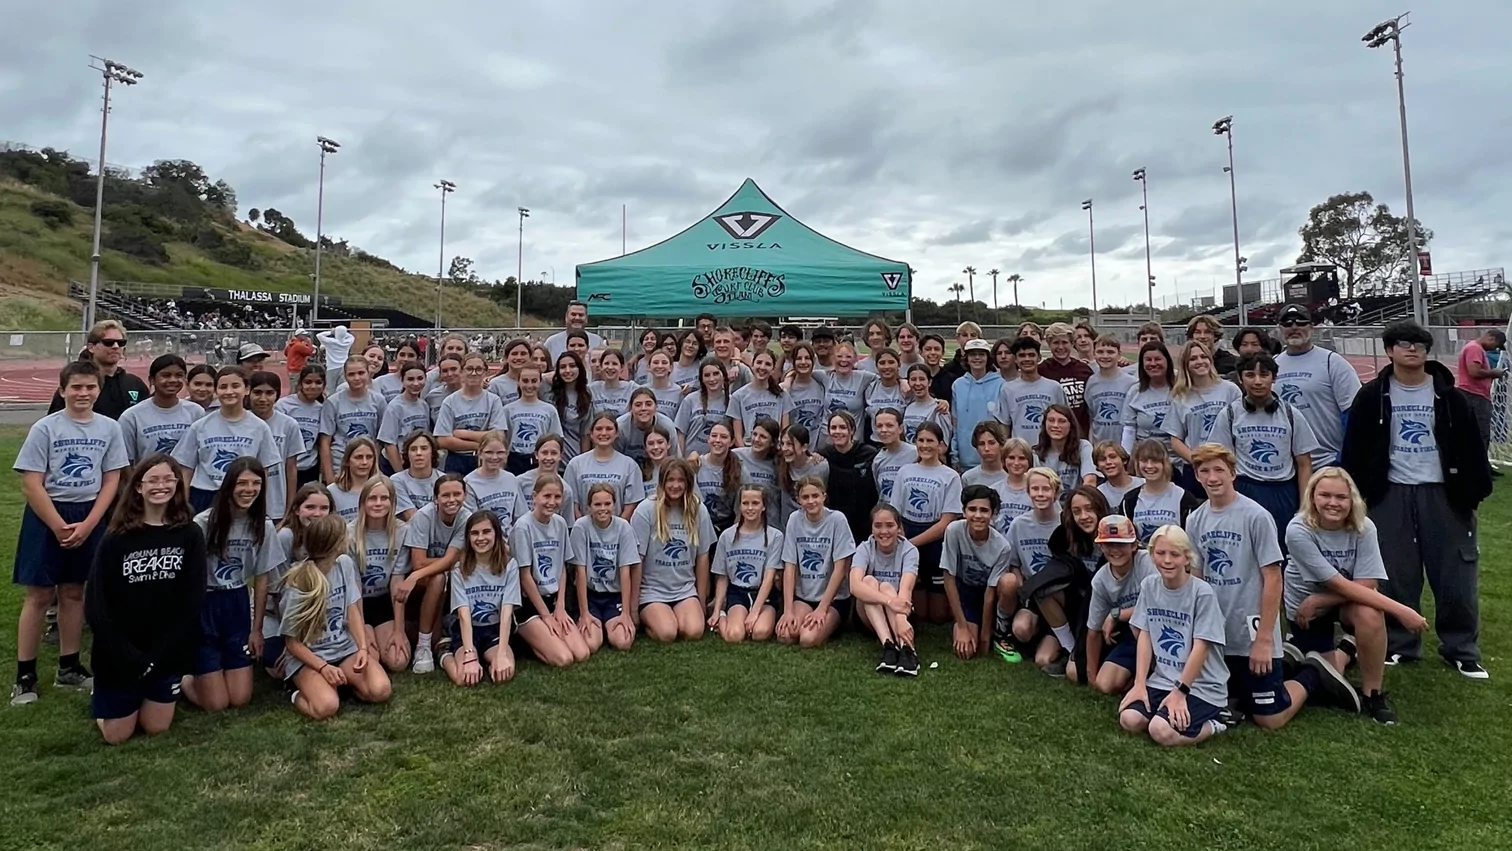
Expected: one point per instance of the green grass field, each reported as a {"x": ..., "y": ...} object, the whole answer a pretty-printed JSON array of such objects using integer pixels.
[{"x": 707, "y": 746}]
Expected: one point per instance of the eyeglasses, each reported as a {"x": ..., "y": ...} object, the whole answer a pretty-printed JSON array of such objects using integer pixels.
[
  {"x": 475, "y": 370},
  {"x": 1294, "y": 322},
  {"x": 1411, "y": 347},
  {"x": 114, "y": 342}
]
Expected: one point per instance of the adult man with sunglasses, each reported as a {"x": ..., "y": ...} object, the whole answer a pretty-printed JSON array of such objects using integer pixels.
[
  {"x": 1414, "y": 449},
  {"x": 1319, "y": 383},
  {"x": 119, "y": 389}
]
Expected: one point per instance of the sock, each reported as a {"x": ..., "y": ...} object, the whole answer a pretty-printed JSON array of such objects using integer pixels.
[
  {"x": 1064, "y": 636},
  {"x": 1002, "y": 625},
  {"x": 68, "y": 661},
  {"x": 26, "y": 668},
  {"x": 423, "y": 640},
  {"x": 1309, "y": 678}
]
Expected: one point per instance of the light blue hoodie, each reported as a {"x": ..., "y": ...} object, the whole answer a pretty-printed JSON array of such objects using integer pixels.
[{"x": 972, "y": 401}]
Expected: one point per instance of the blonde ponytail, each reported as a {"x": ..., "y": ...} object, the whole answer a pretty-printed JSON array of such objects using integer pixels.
[{"x": 325, "y": 539}]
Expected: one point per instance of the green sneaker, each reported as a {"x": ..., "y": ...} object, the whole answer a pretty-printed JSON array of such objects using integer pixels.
[{"x": 1007, "y": 651}]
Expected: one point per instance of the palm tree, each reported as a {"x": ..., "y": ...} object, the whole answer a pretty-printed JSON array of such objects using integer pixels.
[
  {"x": 969, "y": 271},
  {"x": 994, "y": 274},
  {"x": 957, "y": 288},
  {"x": 1016, "y": 280}
]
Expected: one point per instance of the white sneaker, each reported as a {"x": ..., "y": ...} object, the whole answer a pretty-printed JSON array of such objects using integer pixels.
[{"x": 425, "y": 661}]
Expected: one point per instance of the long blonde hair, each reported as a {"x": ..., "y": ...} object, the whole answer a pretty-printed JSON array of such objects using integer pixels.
[
  {"x": 690, "y": 503},
  {"x": 1356, "y": 521},
  {"x": 360, "y": 527},
  {"x": 344, "y": 478},
  {"x": 326, "y": 540},
  {"x": 1183, "y": 383}
]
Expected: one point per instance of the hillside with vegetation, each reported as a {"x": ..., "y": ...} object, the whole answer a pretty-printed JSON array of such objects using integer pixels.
[{"x": 173, "y": 225}]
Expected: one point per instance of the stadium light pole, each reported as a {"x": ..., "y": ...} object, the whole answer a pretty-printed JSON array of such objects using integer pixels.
[
  {"x": 1144, "y": 190},
  {"x": 1092, "y": 244},
  {"x": 446, "y": 187},
  {"x": 1225, "y": 127},
  {"x": 520, "y": 266},
  {"x": 112, "y": 72},
  {"x": 327, "y": 146},
  {"x": 1390, "y": 30}
]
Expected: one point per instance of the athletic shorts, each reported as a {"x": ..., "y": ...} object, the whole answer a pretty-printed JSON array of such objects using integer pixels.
[
  {"x": 41, "y": 562},
  {"x": 200, "y": 499},
  {"x": 526, "y": 612},
  {"x": 1318, "y": 634},
  {"x": 273, "y": 651},
  {"x": 225, "y": 626},
  {"x": 737, "y": 596},
  {"x": 520, "y": 463},
  {"x": 378, "y": 609},
  {"x": 460, "y": 463},
  {"x": 485, "y": 638},
  {"x": 1200, "y": 711},
  {"x": 973, "y": 598},
  {"x": 841, "y": 607},
  {"x": 930, "y": 578},
  {"x": 119, "y": 700},
  {"x": 1124, "y": 653},
  {"x": 1257, "y": 695},
  {"x": 605, "y": 605},
  {"x": 304, "y": 477}
]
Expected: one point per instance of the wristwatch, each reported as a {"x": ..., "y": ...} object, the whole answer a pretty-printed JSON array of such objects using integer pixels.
[{"x": 1184, "y": 688}]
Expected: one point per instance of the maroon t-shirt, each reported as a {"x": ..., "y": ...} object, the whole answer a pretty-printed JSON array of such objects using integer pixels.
[{"x": 1072, "y": 375}]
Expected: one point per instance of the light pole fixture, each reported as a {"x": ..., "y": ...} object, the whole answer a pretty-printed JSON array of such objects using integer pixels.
[
  {"x": 1390, "y": 31},
  {"x": 446, "y": 187},
  {"x": 1144, "y": 207},
  {"x": 1225, "y": 127},
  {"x": 112, "y": 72},
  {"x": 520, "y": 267},
  {"x": 327, "y": 146},
  {"x": 1092, "y": 244}
]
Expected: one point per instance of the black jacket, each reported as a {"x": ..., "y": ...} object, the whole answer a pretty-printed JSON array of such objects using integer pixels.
[
  {"x": 117, "y": 393},
  {"x": 1224, "y": 361},
  {"x": 942, "y": 386},
  {"x": 1367, "y": 440},
  {"x": 143, "y": 602},
  {"x": 852, "y": 486}
]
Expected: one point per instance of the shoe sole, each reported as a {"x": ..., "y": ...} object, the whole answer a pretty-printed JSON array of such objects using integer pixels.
[
  {"x": 1292, "y": 653},
  {"x": 884, "y": 668},
  {"x": 1482, "y": 674},
  {"x": 84, "y": 686},
  {"x": 24, "y": 700},
  {"x": 1010, "y": 657},
  {"x": 907, "y": 672},
  {"x": 1346, "y": 688}
]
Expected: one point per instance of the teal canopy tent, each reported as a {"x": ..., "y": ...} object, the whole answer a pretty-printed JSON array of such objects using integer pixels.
[{"x": 749, "y": 257}]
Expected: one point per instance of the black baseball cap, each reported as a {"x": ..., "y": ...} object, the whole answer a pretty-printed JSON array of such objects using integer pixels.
[{"x": 1294, "y": 312}]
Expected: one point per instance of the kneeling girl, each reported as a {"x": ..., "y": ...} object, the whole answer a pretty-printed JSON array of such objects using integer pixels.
[
  {"x": 485, "y": 589},
  {"x": 747, "y": 561}
]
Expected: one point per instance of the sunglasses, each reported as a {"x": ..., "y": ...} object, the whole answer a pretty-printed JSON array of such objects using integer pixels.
[
  {"x": 1295, "y": 322},
  {"x": 113, "y": 343}
]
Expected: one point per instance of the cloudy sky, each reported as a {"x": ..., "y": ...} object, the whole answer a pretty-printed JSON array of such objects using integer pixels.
[{"x": 943, "y": 134}]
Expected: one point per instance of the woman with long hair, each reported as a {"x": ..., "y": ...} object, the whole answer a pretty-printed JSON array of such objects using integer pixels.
[
  {"x": 1005, "y": 467},
  {"x": 435, "y": 539},
  {"x": 851, "y": 482},
  {"x": 878, "y": 336},
  {"x": 485, "y": 591},
  {"x": 717, "y": 475},
  {"x": 358, "y": 466},
  {"x": 240, "y": 542},
  {"x": 506, "y": 385},
  {"x": 405, "y": 414},
  {"x": 354, "y": 412},
  {"x": 892, "y": 451},
  {"x": 700, "y": 409},
  {"x": 157, "y": 425},
  {"x": 923, "y": 407},
  {"x": 882, "y": 576},
  {"x": 746, "y": 563},
  {"x": 633, "y": 425},
  {"x": 143, "y": 602},
  {"x": 376, "y": 537},
  {"x": 491, "y": 487},
  {"x": 604, "y": 556},
  {"x": 806, "y": 390},
  {"x": 201, "y": 384},
  {"x": 763, "y": 398},
  {"x": 213, "y": 441},
  {"x": 304, "y": 406},
  {"x": 1199, "y": 395},
  {"x": 548, "y": 457},
  {"x": 845, "y": 389},
  {"x": 467, "y": 415},
  {"x": 612, "y": 391},
  {"x": 667, "y": 394},
  {"x": 658, "y": 450},
  {"x": 1062, "y": 448},
  {"x": 605, "y": 464},
  {"x": 795, "y": 462},
  {"x": 758, "y": 459},
  {"x": 311, "y": 502},
  {"x": 639, "y": 365},
  {"x": 690, "y": 353},
  {"x": 1148, "y": 403},
  {"x": 575, "y": 402},
  {"x": 887, "y": 391},
  {"x": 675, "y": 537},
  {"x": 816, "y": 554},
  {"x": 541, "y": 544},
  {"x": 324, "y": 639},
  {"x": 415, "y": 483},
  {"x": 379, "y": 377},
  {"x": 928, "y": 496},
  {"x": 263, "y": 389}
]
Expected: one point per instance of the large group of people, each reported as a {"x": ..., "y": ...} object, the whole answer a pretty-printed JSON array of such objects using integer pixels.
[{"x": 1210, "y": 536}]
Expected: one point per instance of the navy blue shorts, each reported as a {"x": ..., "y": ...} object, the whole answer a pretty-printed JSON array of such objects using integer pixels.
[
  {"x": 41, "y": 562},
  {"x": 526, "y": 612},
  {"x": 273, "y": 650},
  {"x": 1254, "y": 695},
  {"x": 377, "y": 609},
  {"x": 1318, "y": 634},
  {"x": 930, "y": 578},
  {"x": 605, "y": 605},
  {"x": 973, "y": 598},
  {"x": 737, "y": 596},
  {"x": 841, "y": 607},
  {"x": 460, "y": 463},
  {"x": 118, "y": 700},
  {"x": 304, "y": 477},
  {"x": 1279, "y": 499},
  {"x": 200, "y": 499},
  {"x": 225, "y": 625},
  {"x": 384, "y": 466},
  {"x": 1200, "y": 711},
  {"x": 1124, "y": 653},
  {"x": 519, "y": 463},
  {"x": 485, "y": 638}
]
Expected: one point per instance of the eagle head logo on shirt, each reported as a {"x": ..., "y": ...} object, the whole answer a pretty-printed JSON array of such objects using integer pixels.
[
  {"x": 811, "y": 562},
  {"x": 1290, "y": 394},
  {"x": 1171, "y": 642},
  {"x": 1263, "y": 451},
  {"x": 228, "y": 570},
  {"x": 1219, "y": 561},
  {"x": 711, "y": 502},
  {"x": 76, "y": 466},
  {"x": 675, "y": 549},
  {"x": 910, "y": 432},
  {"x": 887, "y": 487},
  {"x": 545, "y": 566},
  {"x": 836, "y": 405},
  {"x": 1413, "y": 432},
  {"x": 1038, "y": 561},
  {"x": 333, "y": 619},
  {"x": 1208, "y": 421},
  {"x": 483, "y": 612},
  {"x": 1034, "y": 413},
  {"x": 166, "y": 444},
  {"x": 526, "y": 432},
  {"x": 1107, "y": 412},
  {"x": 223, "y": 459},
  {"x": 603, "y": 569},
  {"x": 918, "y": 500},
  {"x": 745, "y": 574},
  {"x": 355, "y": 429}
]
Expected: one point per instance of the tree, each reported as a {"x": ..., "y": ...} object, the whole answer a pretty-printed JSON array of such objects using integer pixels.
[
  {"x": 957, "y": 288},
  {"x": 282, "y": 227},
  {"x": 222, "y": 198},
  {"x": 1363, "y": 239},
  {"x": 461, "y": 272},
  {"x": 970, "y": 273},
  {"x": 53, "y": 213},
  {"x": 994, "y": 273},
  {"x": 1015, "y": 280},
  {"x": 253, "y": 215}
]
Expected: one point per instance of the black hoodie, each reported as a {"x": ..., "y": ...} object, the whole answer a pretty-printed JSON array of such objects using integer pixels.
[
  {"x": 1367, "y": 441},
  {"x": 143, "y": 602}
]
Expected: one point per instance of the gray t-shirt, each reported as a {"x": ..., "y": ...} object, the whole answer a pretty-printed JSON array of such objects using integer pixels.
[
  {"x": 1232, "y": 545},
  {"x": 1111, "y": 593},
  {"x": 1175, "y": 620},
  {"x": 213, "y": 442},
  {"x": 1194, "y": 415},
  {"x": 72, "y": 456},
  {"x": 916, "y": 414},
  {"x": 390, "y": 385},
  {"x": 483, "y": 412},
  {"x": 815, "y": 547},
  {"x": 1153, "y": 510},
  {"x": 485, "y": 593},
  {"x": 288, "y": 442},
  {"x": 544, "y": 547},
  {"x": 695, "y": 417},
  {"x": 1073, "y": 467},
  {"x": 789, "y": 501},
  {"x": 401, "y": 418},
  {"x": 844, "y": 393},
  {"x": 526, "y": 422},
  {"x": 603, "y": 551},
  {"x": 614, "y": 399},
  {"x": 1029, "y": 542},
  {"x": 809, "y": 405},
  {"x": 1013, "y": 501},
  {"x": 245, "y": 559},
  {"x": 527, "y": 480},
  {"x": 425, "y": 531},
  {"x": 346, "y": 503},
  {"x": 1021, "y": 404},
  {"x": 887, "y": 568},
  {"x": 147, "y": 428},
  {"x": 345, "y": 418},
  {"x": 1106, "y": 398},
  {"x": 888, "y": 463},
  {"x": 414, "y": 492},
  {"x": 335, "y": 644},
  {"x": 746, "y": 557},
  {"x": 879, "y": 396},
  {"x": 751, "y": 403},
  {"x": 1265, "y": 443},
  {"x": 667, "y": 566},
  {"x": 924, "y": 494},
  {"x": 760, "y": 471},
  {"x": 307, "y": 414},
  {"x": 435, "y": 395},
  {"x": 974, "y": 563},
  {"x": 1321, "y": 385},
  {"x": 1115, "y": 494},
  {"x": 506, "y": 389},
  {"x": 632, "y": 441},
  {"x": 586, "y": 470},
  {"x": 557, "y": 343},
  {"x": 1315, "y": 556},
  {"x": 1146, "y": 412},
  {"x": 574, "y": 421},
  {"x": 1414, "y": 457},
  {"x": 499, "y": 493},
  {"x": 381, "y": 559},
  {"x": 667, "y": 399}
]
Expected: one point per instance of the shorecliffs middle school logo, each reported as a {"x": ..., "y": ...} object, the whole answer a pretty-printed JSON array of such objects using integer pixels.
[
  {"x": 811, "y": 562},
  {"x": 1263, "y": 451},
  {"x": 1107, "y": 412},
  {"x": 223, "y": 459},
  {"x": 1218, "y": 561},
  {"x": 1171, "y": 641},
  {"x": 1413, "y": 432},
  {"x": 76, "y": 466}
]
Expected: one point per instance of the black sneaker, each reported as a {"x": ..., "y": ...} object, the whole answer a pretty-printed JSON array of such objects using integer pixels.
[
  {"x": 1057, "y": 666},
  {"x": 1470, "y": 670},
  {"x": 77, "y": 678},
  {"x": 1395, "y": 659},
  {"x": 1350, "y": 648},
  {"x": 1230, "y": 717},
  {"x": 908, "y": 662},
  {"x": 24, "y": 692},
  {"x": 1333, "y": 687},
  {"x": 889, "y": 661},
  {"x": 1379, "y": 708}
]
